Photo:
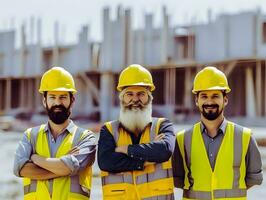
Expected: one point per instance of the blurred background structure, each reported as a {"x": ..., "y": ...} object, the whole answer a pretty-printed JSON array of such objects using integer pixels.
[{"x": 234, "y": 42}]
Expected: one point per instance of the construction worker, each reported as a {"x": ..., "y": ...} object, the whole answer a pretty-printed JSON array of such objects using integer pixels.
[
  {"x": 55, "y": 158},
  {"x": 134, "y": 151},
  {"x": 216, "y": 158}
]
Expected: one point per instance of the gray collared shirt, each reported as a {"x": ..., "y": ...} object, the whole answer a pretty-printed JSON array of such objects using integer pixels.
[
  {"x": 212, "y": 144},
  {"x": 254, "y": 174},
  {"x": 86, "y": 155}
]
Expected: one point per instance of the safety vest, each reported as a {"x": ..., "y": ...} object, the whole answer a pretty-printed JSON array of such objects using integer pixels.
[
  {"x": 227, "y": 179},
  {"x": 155, "y": 180},
  {"x": 76, "y": 187}
]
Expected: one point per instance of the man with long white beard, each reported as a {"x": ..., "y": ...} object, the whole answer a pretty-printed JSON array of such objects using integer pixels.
[
  {"x": 134, "y": 152},
  {"x": 55, "y": 158},
  {"x": 215, "y": 158}
]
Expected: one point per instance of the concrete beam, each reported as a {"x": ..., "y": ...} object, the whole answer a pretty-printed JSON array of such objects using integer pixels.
[
  {"x": 94, "y": 91},
  {"x": 230, "y": 67}
]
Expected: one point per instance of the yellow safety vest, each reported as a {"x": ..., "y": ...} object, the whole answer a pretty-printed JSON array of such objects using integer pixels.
[
  {"x": 227, "y": 180},
  {"x": 154, "y": 181},
  {"x": 61, "y": 188}
]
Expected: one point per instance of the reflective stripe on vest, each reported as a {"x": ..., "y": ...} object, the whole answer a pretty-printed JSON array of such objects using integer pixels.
[
  {"x": 75, "y": 186},
  {"x": 238, "y": 157},
  {"x": 161, "y": 197}
]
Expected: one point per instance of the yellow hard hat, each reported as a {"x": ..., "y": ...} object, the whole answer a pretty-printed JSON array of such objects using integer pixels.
[
  {"x": 210, "y": 78},
  {"x": 57, "y": 79},
  {"x": 135, "y": 75}
]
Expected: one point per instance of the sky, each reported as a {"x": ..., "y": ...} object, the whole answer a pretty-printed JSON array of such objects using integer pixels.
[{"x": 72, "y": 14}]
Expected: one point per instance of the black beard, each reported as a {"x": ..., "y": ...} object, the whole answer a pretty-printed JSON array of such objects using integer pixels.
[
  {"x": 58, "y": 117},
  {"x": 211, "y": 115}
]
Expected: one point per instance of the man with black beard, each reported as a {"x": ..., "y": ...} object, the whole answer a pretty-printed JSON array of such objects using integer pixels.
[
  {"x": 216, "y": 158},
  {"x": 134, "y": 151},
  {"x": 55, "y": 158}
]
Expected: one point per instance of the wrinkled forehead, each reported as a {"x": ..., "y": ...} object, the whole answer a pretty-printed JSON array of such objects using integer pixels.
[{"x": 135, "y": 89}]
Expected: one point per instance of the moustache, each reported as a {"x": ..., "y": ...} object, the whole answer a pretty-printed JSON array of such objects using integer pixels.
[
  {"x": 135, "y": 104},
  {"x": 210, "y": 106},
  {"x": 60, "y": 107}
]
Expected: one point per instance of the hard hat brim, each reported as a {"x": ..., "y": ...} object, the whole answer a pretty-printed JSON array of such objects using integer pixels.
[
  {"x": 121, "y": 87},
  {"x": 59, "y": 90},
  {"x": 227, "y": 90}
]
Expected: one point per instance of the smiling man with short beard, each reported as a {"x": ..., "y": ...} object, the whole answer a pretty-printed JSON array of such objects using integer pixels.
[
  {"x": 55, "y": 158},
  {"x": 215, "y": 158},
  {"x": 134, "y": 151}
]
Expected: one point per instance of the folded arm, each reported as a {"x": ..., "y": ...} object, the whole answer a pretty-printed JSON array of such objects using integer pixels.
[
  {"x": 159, "y": 150},
  {"x": 33, "y": 171},
  {"x": 111, "y": 161}
]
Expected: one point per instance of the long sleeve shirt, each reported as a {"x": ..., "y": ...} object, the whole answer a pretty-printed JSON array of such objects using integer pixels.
[
  {"x": 154, "y": 151},
  {"x": 86, "y": 155},
  {"x": 254, "y": 174}
]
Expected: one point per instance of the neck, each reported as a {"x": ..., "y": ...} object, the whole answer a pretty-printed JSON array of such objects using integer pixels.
[
  {"x": 57, "y": 129},
  {"x": 212, "y": 125}
]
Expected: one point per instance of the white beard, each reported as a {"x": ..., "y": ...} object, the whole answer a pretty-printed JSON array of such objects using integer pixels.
[{"x": 136, "y": 120}]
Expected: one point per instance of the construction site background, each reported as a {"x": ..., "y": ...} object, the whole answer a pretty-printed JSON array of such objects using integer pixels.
[{"x": 235, "y": 43}]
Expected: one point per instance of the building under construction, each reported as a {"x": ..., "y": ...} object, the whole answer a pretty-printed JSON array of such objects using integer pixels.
[{"x": 235, "y": 43}]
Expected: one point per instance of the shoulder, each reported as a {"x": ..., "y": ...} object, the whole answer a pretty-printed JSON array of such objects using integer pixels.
[
  {"x": 33, "y": 130},
  {"x": 241, "y": 129},
  {"x": 109, "y": 126},
  {"x": 162, "y": 122}
]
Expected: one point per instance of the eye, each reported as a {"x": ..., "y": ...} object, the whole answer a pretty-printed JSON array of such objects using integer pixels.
[
  {"x": 141, "y": 94},
  {"x": 129, "y": 94},
  {"x": 204, "y": 97}
]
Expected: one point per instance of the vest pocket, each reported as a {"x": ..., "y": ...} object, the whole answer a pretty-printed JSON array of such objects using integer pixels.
[{"x": 115, "y": 191}]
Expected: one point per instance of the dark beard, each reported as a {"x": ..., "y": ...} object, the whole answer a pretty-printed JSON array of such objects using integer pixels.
[
  {"x": 58, "y": 117},
  {"x": 211, "y": 115}
]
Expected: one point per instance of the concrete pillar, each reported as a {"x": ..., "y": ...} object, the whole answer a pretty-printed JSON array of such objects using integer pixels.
[
  {"x": 22, "y": 93},
  {"x": 106, "y": 44},
  {"x": 29, "y": 95},
  {"x": 167, "y": 86},
  {"x": 148, "y": 40},
  {"x": 258, "y": 89},
  {"x": 1, "y": 96},
  {"x": 188, "y": 87},
  {"x": 83, "y": 51},
  {"x": 172, "y": 72},
  {"x": 164, "y": 37},
  {"x": 264, "y": 86},
  {"x": 56, "y": 45},
  {"x": 39, "y": 63},
  {"x": 250, "y": 95},
  {"x": 128, "y": 59},
  {"x": 22, "y": 50},
  {"x": 32, "y": 30},
  {"x": 8, "y": 95},
  {"x": 106, "y": 95},
  {"x": 38, "y": 96}
]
